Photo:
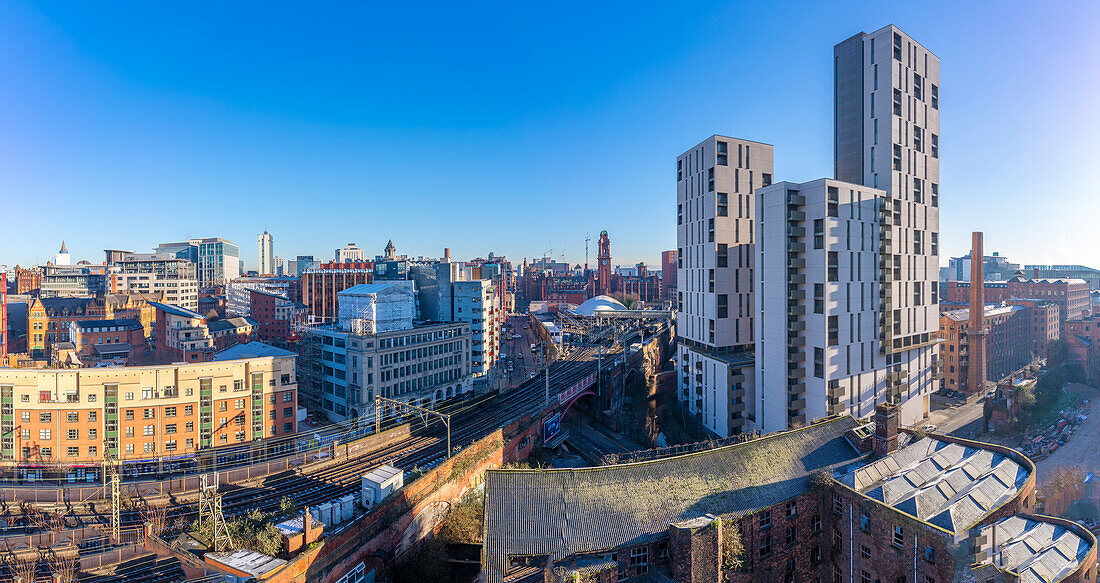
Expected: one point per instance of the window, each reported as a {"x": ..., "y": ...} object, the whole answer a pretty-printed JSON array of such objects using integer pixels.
[
  {"x": 93, "y": 433},
  {"x": 189, "y": 426},
  {"x": 897, "y": 102},
  {"x": 765, "y": 545},
  {"x": 765, "y": 519},
  {"x": 147, "y": 393},
  {"x": 833, "y": 200},
  {"x": 72, "y": 417},
  {"x": 223, "y": 406},
  {"x": 864, "y": 553},
  {"x": 188, "y": 409},
  {"x": 897, "y": 157},
  {"x": 723, "y": 304},
  {"x": 149, "y": 430},
  {"x": 129, "y": 414},
  {"x": 930, "y": 554},
  {"x": 918, "y": 87},
  {"x": 935, "y": 198},
  {"x": 129, "y": 432},
  {"x": 834, "y": 266},
  {"x": 792, "y": 508},
  {"x": 819, "y": 362},
  {"x": 47, "y": 452},
  {"x": 45, "y": 417},
  {"x": 935, "y": 96},
  {"x": 838, "y": 575},
  {"x": 240, "y": 436},
  {"x": 935, "y": 146},
  {"x": 864, "y": 577},
  {"x": 791, "y": 535},
  {"x": 93, "y": 451},
  {"x": 918, "y": 135},
  {"x": 834, "y": 331},
  {"x": 148, "y": 413},
  {"x": 838, "y": 504},
  {"x": 815, "y": 524},
  {"x": 710, "y": 180},
  {"x": 819, "y": 298},
  {"x": 129, "y": 448},
  {"x": 723, "y": 255},
  {"x": 150, "y": 448},
  {"x": 129, "y": 397},
  {"x": 679, "y": 214},
  {"x": 722, "y": 201},
  {"x": 899, "y": 538},
  {"x": 25, "y": 433},
  {"x": 72, "y": 434},
  {"x": 766, "y": 179},
  {"x": 838, "y": 540},
  {"x": 639, "y": 560},
  {"x": 169, "y": 411},
  {"x": 72, "y": 451},
  {"x": 864, "y": 521},
  {"x": 897, "y": 47},
  {"x": 710, "y": 280},
  {"x": 170, "y": 445},
  {"x": 819, "y": 233},
  {"x": 288, "y": 397},
  {"x": 170, "y": 428},
  {"x": 288, "y": 427},
  {"x": 723, "y": 154},
  {"x": 44, "y": 434}
]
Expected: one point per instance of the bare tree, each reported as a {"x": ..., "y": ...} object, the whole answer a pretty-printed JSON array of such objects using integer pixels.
[
  {"x": 155, "y": 515},
  {"x": 65, "y": 568},
  {"x": 25, "y": 568}
]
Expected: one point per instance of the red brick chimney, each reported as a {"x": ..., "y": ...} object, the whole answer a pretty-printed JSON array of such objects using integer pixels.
[
  {"x": 975, "y": 336},
  {"x": 886, "y": 428},
  {"x": 446, "y": 253}
]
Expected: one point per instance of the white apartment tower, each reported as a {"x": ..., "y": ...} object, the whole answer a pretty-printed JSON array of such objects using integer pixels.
[
  {"x": 847, "y": 293},
  {"x": 267, "y": 254},
  {"x": 715, "y": 182}
]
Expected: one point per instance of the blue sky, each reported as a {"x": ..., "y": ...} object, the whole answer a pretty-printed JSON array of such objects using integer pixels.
[{"x": 512, "y": 127}]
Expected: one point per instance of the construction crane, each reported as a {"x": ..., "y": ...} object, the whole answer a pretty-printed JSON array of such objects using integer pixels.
[{"x": 586, "y": 240}]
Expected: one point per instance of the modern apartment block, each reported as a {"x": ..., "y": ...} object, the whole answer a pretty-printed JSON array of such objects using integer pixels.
[
  {"x": 818, "y": 343},
  {"x": 887, "y": 137},
  {"x": 715, "y": 185},
  {"x": 476, "y": 302},
  {"x": 156, "y": 273},
  {"x": 266, "y": 253}
]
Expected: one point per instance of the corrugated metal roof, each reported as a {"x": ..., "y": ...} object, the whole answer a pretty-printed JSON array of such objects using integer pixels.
[
  {"x": 1036, "y": 551},
  {"x": 947, "y": 484},
  {"x": 572, "y": 511}
]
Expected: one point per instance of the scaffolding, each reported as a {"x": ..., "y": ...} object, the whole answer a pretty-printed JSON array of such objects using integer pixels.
[{"x": 210, "y": 512}]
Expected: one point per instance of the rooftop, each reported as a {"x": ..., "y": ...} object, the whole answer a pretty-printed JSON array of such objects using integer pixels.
[
  {"x": 570, "y": 511},
  {"x": 368, "y": 288},
  {"x": 1033, "y": 550},
  {"x": 598, "y": 304},
  {"x": 176, "y": 310},
  {"x": 990, "y": 310},
  {"x": 255, "y": 564},
  {"x": 252, "y": 349},
  {"x": 382, "y": 473},
  {"x": 127, "y": 322},
  {"x": 949, "y": 485}
]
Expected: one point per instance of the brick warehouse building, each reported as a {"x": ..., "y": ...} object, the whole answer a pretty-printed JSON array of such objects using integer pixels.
[
  {"x": 1072, "y": 295},
  {"x": 319, "y": 286},
  {"x": 811, "y": 504},
  {"x": 1008, "y": 345},
  {"x": 68, "y": 417}
]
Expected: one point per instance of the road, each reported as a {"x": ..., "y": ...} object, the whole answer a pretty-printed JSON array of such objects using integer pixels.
[
  {"x": 1083, "y": 447},
  {"x": 513, "y": 348}
]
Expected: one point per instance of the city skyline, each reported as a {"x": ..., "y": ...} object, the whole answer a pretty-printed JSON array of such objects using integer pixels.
[{"x": 175, "y": 124}]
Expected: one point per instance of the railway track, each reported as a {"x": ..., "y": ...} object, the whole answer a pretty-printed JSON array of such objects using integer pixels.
[{"x": 424, "y": 448}]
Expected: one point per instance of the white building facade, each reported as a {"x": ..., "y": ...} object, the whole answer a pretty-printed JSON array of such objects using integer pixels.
[
  {"x": 887, "y": 137},
  {"x": 266, "y": 253},
  {"x": 350, "y": 253},
  {"x": 477, "y": 303},
  {"x": 153, "y": 273},
  {"x": 715, "y": 182}
]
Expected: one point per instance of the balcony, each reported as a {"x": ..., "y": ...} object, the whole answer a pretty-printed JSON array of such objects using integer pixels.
[
  {"x": 795, "y": 326},
  {"x": 795, "y": 371},
  {"x": 796, "y": 278},
  {"x": 795, "y": 215},
  {"x": 796, "y": 231},
  {"x": 795, "y": 199},
  {"x": 796, "y": 294},
  {"x": 796, "y": 356},
  {"x": 795, "y": 341},
  {"x": 796, "y": 263},
  {"x": 795, "y": 309},
  {"x": 698, "y": 377},
  {"x": 796, "y": 247},
  {"x": 796, "y": 388},
  {"x": 798, "y": 404},
  {"x": 737, "y": 377}
]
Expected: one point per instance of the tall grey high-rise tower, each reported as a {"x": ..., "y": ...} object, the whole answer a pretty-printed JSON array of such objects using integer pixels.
[{"x": 887, "y": 115}]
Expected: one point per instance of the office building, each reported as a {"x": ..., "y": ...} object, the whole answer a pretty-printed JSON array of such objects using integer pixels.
[
  {"x": 217, "y": 260},
  {"x": 995, "y": 267},
  {"x": 1092, "y": 276},
  {"x": 715, "y": 185},
  {"x": 476, "y": 303},
  {"x": 266, "y": 253},
  {"x": 1071, "y": 295},
  {"x": 238, "y": 299},
  {"x": 320, "y": 286},
  {"x": 668, "y": 275},
  {"x": 173, "y": 278},
  {"x": 181, "y": 335},
  {"x": 73, "y": 281},
  {"x": 887, "y": 122},
  {"x": 350, "y": 253}
]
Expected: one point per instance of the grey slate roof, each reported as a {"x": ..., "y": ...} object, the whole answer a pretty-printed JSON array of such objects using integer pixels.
[
  {"x": 946, "y": 484},
  {"x": 252, "y": 349},
  {"x": 1036, "y": 551},
  {"x": 571, "y": 511},
  {"x": 174, "y": 309}
]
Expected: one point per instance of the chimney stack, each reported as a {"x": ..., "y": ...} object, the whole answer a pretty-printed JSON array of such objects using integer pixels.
[
  {"x": 976, "y": 334},
  {"x": 886, "y": 428},
  {"x": 447, "y": 254}
]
